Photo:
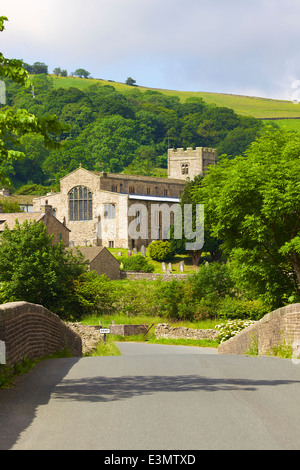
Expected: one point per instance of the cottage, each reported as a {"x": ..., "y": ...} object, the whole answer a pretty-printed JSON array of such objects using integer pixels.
[
  {"x": 101, "y": 260},
  {"x": 54, "y": 227}
]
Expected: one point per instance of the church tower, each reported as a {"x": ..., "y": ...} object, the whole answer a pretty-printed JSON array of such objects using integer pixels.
[{"x": 183, "y": 164}]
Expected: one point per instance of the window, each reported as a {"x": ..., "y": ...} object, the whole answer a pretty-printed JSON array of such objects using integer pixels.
[
  {"x": 80, "y": 204},
  {"x": 148, "y": 191},
  {"x": 109, "y": 211},
  {"x": 184, "y": 168},
  {"x": 131, "y": 189},
  {"x": 114, "y": 188},
  {"x": 111, "y": 244},
  {"x": 165, "y": 192}
]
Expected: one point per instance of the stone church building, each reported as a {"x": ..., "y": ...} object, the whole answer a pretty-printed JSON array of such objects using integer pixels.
[{"x": 101, "y": 208}]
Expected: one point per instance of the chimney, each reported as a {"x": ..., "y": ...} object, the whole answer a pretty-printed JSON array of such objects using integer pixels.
[{"x": 47, "y": 209}]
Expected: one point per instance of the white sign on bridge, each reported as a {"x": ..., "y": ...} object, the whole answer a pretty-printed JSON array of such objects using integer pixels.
[{"x": 2, "y": 353}]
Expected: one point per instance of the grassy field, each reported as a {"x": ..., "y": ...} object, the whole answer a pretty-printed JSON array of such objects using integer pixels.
[{"x": 245, "y": 105}]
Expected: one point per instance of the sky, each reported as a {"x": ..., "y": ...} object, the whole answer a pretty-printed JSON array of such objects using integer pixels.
[{"x": 248, "y": 47}]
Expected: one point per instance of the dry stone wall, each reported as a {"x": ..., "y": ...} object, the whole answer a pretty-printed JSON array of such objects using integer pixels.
[
  {"x": 127, "y": 330},
  {"x": 151, "y": 276},
  {"x": 163, "y": 330},
  {"x": 30, "y": 330}
]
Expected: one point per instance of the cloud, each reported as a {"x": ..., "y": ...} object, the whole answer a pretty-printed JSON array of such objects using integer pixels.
[{"x": 208, "y": 45}]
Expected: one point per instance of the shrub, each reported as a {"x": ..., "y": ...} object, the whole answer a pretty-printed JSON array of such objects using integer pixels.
[
  {"x": 91, "y": 295},
  {"x": 232, "y": 308},
  {"x": 232, "y": 328},
  {"x": 136, "y": 298},
  {"x": 212, "y": 281},
  {"x": 160, "y": 251},
  {"x": 169, "y": 298},
  {"x": 137, "y": 263}
]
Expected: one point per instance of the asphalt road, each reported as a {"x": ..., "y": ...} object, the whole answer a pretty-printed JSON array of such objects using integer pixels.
[{"x": 154, "y": 397}]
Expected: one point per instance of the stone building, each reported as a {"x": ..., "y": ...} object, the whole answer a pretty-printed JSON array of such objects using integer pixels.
[
  {"x": 25, "y": 202},
  {"x": 189, "y": 163},
  {"x": 54, "y": 227},
  {"x": 102, "y": 261},
  {"x": 116, "y": 210}
]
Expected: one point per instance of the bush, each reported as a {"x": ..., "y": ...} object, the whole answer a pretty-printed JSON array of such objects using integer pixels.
[
  {"x": 160, "y": 251},
  {"x": 232, "y": 328},
  {"x": 232, "y": 308},
  {"x": 169, "y": 298},
  {"x": 212, "y": 281},
  {"x": 137, "y": 263},
  {"x": 136, "y": 298},
  {"x": 92, "y": 295}
]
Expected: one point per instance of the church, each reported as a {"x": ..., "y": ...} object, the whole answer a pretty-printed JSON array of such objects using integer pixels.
[{"x": 116, "y": 210}]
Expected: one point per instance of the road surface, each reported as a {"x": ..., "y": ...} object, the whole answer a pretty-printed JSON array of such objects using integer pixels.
[{"x": 154, "y": 397}]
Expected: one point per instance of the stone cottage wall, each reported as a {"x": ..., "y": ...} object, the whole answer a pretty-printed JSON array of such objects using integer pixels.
[
  {"x": 30, "y": 330},
  {"x": 105, "y": 263}
]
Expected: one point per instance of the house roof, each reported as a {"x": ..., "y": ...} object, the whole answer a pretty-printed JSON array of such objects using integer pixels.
[
  {"x": 91, "y": 252},
  {"x": 10, "y": 219},
  {"x": 26, "y": 200}
]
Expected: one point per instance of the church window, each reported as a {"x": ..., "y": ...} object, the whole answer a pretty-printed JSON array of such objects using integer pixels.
[
  {"x": 184, "y": 168},
  {"x": 109, "y": 211},
  {"x": 80, "y": 204}
]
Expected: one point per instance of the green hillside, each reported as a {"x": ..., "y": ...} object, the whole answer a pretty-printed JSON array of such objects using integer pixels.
[{"x": 243, "y": 105}]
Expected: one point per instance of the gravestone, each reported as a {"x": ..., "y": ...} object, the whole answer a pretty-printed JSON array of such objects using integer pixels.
[
  {"x": 163, "y": 267},
  {"x": 170, "y": 267},
  {"x": 143, "y": 250},
  {"x": 134, "y": 251},
  {"x": 119, "y": 253},
  {"x": 181, "y": 266},
  {"x": 128, "y": 253}
]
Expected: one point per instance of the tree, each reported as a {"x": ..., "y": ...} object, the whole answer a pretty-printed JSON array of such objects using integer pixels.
[
  {"x": 111, "y": 142},
  {"x": 82, "y": 73},
  {"x": 14, "y": 124},
  {"x": 130, "y": 82},
  {"x": 40, "y": 67},
  {"x": 252, "y": 203},
  {"x": 33, "y": 269}
]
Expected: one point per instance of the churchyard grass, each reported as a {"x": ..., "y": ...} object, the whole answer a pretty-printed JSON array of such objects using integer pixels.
[{"x": 189, "y": 268}]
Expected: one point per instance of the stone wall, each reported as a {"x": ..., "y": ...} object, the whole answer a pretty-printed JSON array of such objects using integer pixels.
[
  {"x": 127, "y": 330},
  {"x": 163, "y": 330},
  {"x": 275, "y": 328},
  {"x": 151, "y": 276},
  {"x": 30, "y": 330}
]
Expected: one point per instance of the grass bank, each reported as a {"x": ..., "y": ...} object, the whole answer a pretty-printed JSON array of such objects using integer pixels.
[{"x": 258, "y": 107}]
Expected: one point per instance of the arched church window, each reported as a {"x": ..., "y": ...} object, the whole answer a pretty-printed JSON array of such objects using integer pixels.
[{"x": 80, "y": 204}]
